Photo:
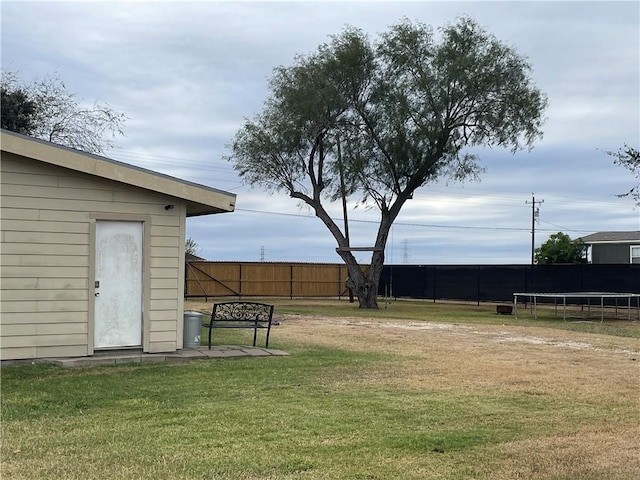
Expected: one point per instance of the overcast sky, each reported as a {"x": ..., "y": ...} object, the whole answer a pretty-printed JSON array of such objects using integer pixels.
[{"x": 188, "y": 74}]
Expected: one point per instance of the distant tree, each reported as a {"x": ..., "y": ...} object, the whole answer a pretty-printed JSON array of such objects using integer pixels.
[
  {"x": 191, "y": 247},
  {"x": 45, "y": 109},
  {"x": 561, "y": 249},
  {"x": 381, "y": 119},
  {"x": 18, "y": 112},
  {"x": 629, "y": 158}
]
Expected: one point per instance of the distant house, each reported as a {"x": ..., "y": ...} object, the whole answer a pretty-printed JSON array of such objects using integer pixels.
[
  {"x": 92, "y": 251},
  {"x": 614, "y": 247}
]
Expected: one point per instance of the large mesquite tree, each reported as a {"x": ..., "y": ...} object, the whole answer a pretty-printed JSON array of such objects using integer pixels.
[{"x": 377, "y": 120}]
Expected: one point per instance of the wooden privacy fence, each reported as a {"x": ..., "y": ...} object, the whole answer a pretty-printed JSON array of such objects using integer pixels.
[{"x": 264, "y": 279}]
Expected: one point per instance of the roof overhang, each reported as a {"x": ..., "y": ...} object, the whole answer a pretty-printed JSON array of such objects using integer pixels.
[
  {"x": 632, "y": 237},
  {"x": 200, "y": 199}
]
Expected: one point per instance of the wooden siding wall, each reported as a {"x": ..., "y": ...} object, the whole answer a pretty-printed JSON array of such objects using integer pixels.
[
  {"x": 260, "y": 279},
  {"x": 46, "y": 214}
]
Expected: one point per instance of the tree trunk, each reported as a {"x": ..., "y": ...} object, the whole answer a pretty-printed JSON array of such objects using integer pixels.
[
  {"x": 360, "y": 283},
  {"x": 365, "y": 284}
]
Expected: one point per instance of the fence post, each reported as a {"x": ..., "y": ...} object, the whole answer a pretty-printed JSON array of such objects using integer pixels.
[
  {"x": 435, "y": 277},
  {"x": 478, "y": 284}
]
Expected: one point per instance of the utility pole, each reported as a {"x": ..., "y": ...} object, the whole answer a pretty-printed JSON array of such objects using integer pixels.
[
  {"x": 535, "y": 213},
  {"x": 405, "y": 251},
  {"x": 262, "y": 253}
]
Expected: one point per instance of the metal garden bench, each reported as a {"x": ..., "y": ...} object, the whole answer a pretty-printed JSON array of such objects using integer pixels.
[{"x": 252, "y": 315}]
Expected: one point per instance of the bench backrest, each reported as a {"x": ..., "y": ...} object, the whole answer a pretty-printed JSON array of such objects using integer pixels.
[{"x": 242, "y": 312}]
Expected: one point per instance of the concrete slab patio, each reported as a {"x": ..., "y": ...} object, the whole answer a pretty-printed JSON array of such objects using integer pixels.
[{"x": 115, "y": 357}]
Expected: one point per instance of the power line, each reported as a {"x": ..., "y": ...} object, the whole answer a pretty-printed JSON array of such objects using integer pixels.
[
  {"x": 406, "y": 224},
  {"x": 564, "y": 229},
  {"x": 219, "y": 172},
  {"x": 224, "y": 167}
]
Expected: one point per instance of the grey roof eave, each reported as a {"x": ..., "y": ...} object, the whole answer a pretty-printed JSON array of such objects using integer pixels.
[{"x": 620, "y": 237}]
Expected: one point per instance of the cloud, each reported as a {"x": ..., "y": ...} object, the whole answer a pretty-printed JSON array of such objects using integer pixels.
[{"x": 188, "y": 73}]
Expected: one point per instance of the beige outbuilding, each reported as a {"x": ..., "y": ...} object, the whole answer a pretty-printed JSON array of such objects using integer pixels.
[{"x": 92, "y": 251}]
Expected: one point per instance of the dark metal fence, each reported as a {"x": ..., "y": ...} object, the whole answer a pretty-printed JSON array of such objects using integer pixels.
[{"x": 486, "y": 283}]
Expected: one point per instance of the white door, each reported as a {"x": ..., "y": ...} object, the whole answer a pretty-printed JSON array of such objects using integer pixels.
[{"x": 118, "y": 282}]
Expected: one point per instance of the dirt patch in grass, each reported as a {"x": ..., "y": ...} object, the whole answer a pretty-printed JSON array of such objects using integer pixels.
[
  {"x": 470, "y": 356},
  {"x": 594, "y": 378},
  {"x": 467, "y": 357}
]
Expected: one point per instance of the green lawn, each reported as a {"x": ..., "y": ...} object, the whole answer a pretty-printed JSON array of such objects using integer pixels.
[{"x": 311, "y": 415}]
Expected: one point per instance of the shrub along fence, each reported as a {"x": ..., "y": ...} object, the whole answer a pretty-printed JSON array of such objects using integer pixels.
[{"x": 476, "y": 283}]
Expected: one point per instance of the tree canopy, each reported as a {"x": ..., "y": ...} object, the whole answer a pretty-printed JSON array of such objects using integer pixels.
[
  {"x": 18, "y": 111},
  {"x": 45, "y": 109},
  {"x": 561, "y": 249},
  {"x": 374, "y": 120}
]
